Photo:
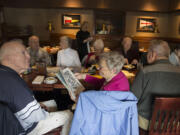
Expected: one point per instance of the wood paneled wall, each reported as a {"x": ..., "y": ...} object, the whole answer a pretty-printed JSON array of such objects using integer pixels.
[
  {"x": 114, "y": 41},
  {"x": 145, "y": 41}
]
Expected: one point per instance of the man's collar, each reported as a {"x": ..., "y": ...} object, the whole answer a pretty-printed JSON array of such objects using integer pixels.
[
  {"x": 67, "y": 49},
  {"x": 162, "y": 61},
  {"x": 8, "y": 69}
]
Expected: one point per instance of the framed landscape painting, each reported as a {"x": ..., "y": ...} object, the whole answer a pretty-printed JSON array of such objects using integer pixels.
[
  {"x": 146, "y": 24},
  {"x": 71, "y": 21}
]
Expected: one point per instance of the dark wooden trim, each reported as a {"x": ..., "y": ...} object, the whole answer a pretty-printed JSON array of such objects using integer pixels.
[
  {"x": 145, "y": 41},
  {"x": 114, "y": 41},
  {"x": 126, "y": 5}
]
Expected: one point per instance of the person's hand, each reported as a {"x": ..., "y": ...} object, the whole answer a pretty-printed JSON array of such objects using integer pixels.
[
  {"x": 43, "y": 106},
  {"x": 80, "y": 76},
  {"x": 135, "y": 62},
  {"x": 151, "y": 57},
  {"x": 22, "y": 71},
  {"x": 76, "y": 96},
  {"x": 126, "y": 61},
  {"x": 92, "y": 58},
  {"x": 88, "y": 39}
]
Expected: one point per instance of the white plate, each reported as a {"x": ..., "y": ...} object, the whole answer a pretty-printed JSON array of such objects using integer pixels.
[
  {"x": 51, "y": 74},
  {"x": 53, "y": 69},
  {"x": 129, "y": 66},
  {"x": 50, "y": 80}
]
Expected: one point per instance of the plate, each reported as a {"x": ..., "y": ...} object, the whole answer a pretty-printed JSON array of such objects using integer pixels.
[
  {"x": 129, "y": 67},
  {"x": 53, "y": 69},
  {"x": 51, "y": 74},
  {"x": 50, "y": 80}
]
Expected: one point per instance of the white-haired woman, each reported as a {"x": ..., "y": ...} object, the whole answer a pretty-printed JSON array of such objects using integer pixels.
[
  {"x": 93, "y": 57},
  {"x": 67, "y": 57},
  {"x": 110, "y": 65}
]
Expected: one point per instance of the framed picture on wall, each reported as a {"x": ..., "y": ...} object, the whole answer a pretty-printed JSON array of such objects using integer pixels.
[
  {"x": 71, "y": 21},
  {"x": 146, "y": 25}
]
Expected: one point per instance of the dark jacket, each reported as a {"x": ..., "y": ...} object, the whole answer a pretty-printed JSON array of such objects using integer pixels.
[
  {"x": 82, "y": 47},
  {"x": 132, "y": 53},
  {"x": 158, "y": 79}
]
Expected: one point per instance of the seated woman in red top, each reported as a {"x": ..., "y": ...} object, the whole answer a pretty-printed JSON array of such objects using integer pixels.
[
  {"x": 93, "y": 57},
  {"x": 113, "y": 79}
]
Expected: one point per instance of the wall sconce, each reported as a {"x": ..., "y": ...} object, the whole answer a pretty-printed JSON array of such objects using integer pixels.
[
  {"x": 50, "y": 27},
  {"x": 156, "y": 29}
]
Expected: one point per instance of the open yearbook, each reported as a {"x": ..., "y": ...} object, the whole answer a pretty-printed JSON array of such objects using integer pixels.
[{"x": 70, "y": 81}]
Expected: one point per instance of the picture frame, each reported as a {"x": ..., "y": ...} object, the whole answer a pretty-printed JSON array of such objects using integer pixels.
[
  {"x": 146, "y": 25},
  {"x": 71, "y": 21}
]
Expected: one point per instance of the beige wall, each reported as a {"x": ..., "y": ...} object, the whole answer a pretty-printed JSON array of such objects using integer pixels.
[
  {"x": 174, "y": 25},
  {"x": 131, "y": 24},
  {"x": 174, "y": 5},
  {"x": 39, "y": 18},
  {"x": 168, "y": 24}
]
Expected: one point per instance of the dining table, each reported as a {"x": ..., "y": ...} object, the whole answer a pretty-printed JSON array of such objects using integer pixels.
[
  {"x": 43, "y": 86},
  {"x": 29, "y": 77}
]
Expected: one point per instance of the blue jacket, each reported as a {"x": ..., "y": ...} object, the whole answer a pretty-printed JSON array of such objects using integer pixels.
[{"x": 105, "y": 113}]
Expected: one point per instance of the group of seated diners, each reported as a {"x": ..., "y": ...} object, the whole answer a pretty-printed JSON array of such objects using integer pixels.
[{"x": 117, "y": 107}]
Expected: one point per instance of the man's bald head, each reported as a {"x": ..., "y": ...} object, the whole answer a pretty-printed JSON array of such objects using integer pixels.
[
  {"x": 14, "y": 55},
  {"x": 8, "y": 48},
  {"x": 33, "y": 37},
  {"x": 34, "y": 42}
]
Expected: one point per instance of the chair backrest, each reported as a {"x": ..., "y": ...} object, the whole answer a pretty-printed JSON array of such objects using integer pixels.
[{"x": 166, "y": 117}]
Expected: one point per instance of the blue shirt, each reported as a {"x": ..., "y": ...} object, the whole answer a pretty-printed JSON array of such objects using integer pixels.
[{"x": 173, "y": 58}]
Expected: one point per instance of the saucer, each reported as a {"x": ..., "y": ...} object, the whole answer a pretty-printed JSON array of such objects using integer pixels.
[{"x": 50, "y": 80}]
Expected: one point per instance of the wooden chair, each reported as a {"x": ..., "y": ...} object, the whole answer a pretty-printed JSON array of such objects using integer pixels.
[{"x": 166, "y": 117}]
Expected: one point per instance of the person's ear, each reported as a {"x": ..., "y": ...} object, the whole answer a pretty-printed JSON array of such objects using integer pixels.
[
  {"x": 151, "y": 57},
  {"x": 113, "y": 71},
  {"x": 154, "y": 56}
]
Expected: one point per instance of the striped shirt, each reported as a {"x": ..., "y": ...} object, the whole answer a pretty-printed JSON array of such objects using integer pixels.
[{"x": 16, "y": 94}]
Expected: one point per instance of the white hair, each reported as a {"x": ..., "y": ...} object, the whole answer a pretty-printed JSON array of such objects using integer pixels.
[
  {"x": 33, "y": 37},
  {"x": 160, "y": 47},
  {"x": 98, "y": 43},
  {"x": 7, "y": 47},
  {"x": 68, "y": 40},
  {"x": 114, "y": 60}
]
